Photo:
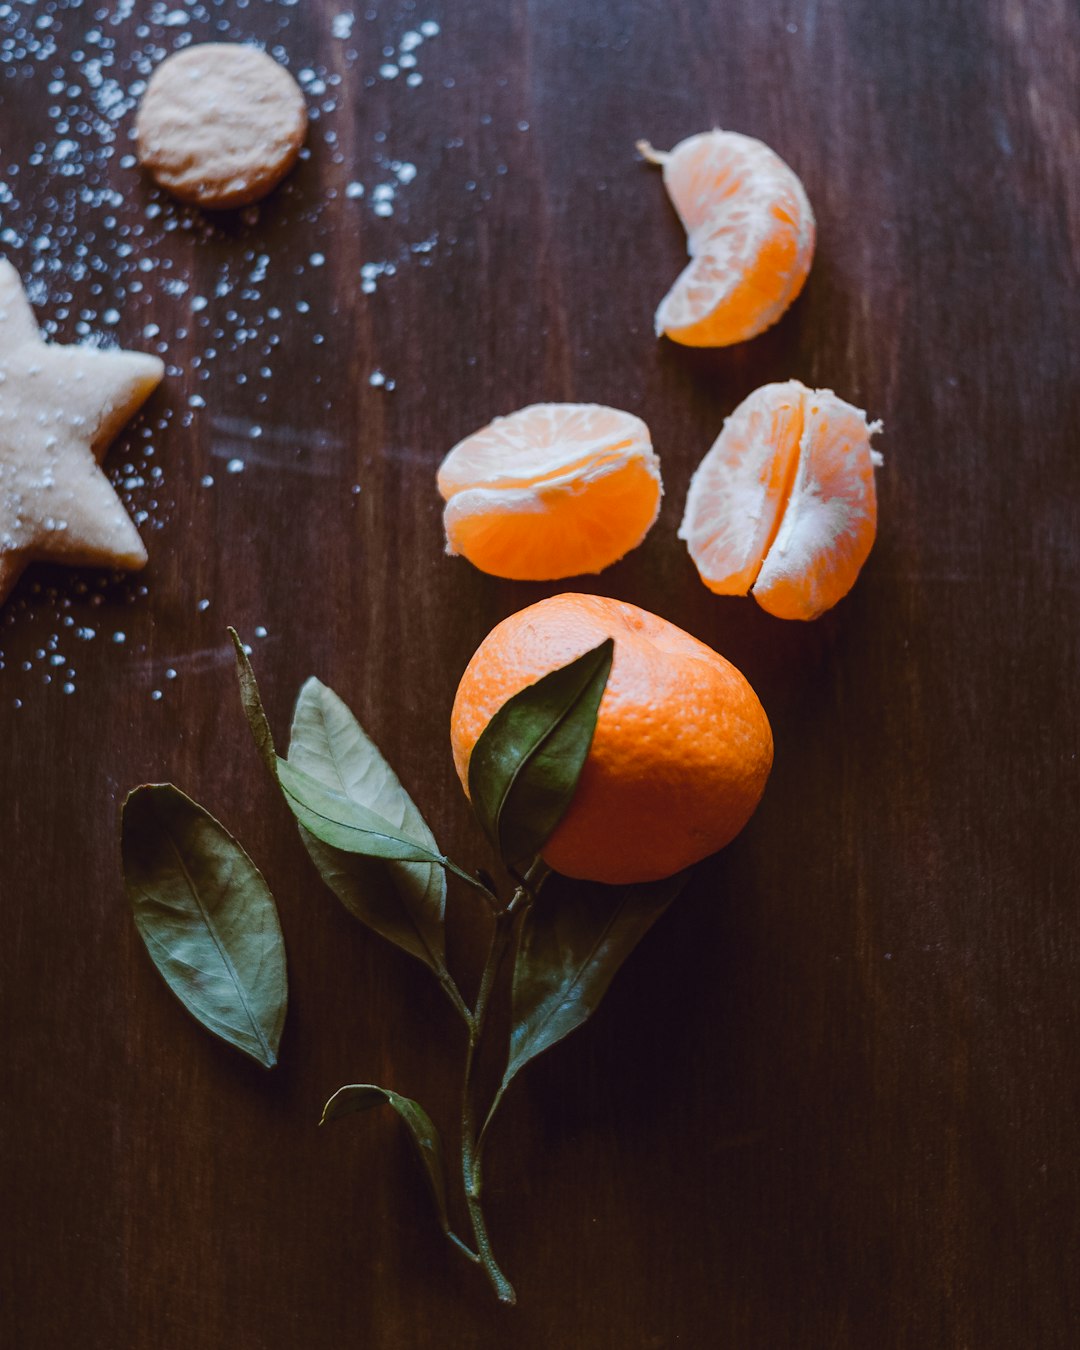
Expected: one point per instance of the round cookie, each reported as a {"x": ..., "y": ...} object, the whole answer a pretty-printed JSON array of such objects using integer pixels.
[{"x": 220, "y": 124}]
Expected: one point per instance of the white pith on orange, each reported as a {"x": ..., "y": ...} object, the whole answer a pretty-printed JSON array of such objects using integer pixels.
[
  {"x": 749, "y": 231},
  {"x": 553, "y": 490},
  {"x": 784, "y": 506}
]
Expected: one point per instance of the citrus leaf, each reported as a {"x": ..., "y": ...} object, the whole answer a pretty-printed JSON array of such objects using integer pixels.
[
  {"x": 404, "y": 902},
  {"x": 345, "y": 824},
  {"x": 207, "y": 918},
  {"x": 525, "y": 766},
  {"x": 571, "y": 946},
  {"x": 328, "y": 815},
  {"x": 363, "y": 1096}
]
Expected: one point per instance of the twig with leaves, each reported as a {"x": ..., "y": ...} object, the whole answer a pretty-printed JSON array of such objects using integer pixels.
[{"x": 210, "y": 923}]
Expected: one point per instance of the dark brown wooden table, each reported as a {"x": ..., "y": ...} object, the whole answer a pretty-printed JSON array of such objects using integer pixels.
[{"x": 832, "y": 1101}]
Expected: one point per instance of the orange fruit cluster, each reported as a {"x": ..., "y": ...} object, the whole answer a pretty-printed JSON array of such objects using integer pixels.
[
  {"x": 682, "y": 746},
  {"x": 783, "y": 507}
]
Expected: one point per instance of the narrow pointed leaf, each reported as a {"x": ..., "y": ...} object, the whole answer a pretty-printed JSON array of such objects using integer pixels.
[
  {"x": 405, "y": 902},
  {"x": 525, "y": 766},
  {"x": 253, "y": 707},
  {"x": 571, "y": 947},
  {"x": 363, "y": 1096},
  {"x": 327, "y": 815},
  {"x": 207, "y": 918}
]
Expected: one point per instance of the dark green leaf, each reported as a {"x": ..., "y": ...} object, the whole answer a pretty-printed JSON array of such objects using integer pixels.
[
  {"x": 327, "y": 815},
  {"x": 526, "y": 763},
  {"x": 403, "y": 901},
  {"x": 207, "y": 917},
  {"x": 572, "y": 943},
  {"x": 364, "y": 1096}
]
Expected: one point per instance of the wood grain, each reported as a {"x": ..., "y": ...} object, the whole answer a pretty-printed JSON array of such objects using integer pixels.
[{"x": 833, "y": 1099}]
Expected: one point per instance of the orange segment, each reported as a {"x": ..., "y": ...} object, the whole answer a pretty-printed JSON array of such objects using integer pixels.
[
  {"x": 738, "y": 493},
  {"x": 554, "y": 490},
  {"x": 784, "y": 502},
  {"x": 750, "y": 234},
  {"x": 830, "y": 521}
]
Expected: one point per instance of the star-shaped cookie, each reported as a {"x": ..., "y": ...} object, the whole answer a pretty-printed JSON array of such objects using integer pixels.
[{"x": 59, "y": 409}]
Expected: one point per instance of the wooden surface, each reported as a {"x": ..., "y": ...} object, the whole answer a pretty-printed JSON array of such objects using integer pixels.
[{"x": 832, "y": 1101}]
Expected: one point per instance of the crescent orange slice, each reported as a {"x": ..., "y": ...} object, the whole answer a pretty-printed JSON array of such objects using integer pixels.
[{"x": 749, "y": 231}]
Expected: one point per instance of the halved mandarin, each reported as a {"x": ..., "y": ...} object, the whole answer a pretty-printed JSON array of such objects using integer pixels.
[
  {"x": 783, "y": 506},
  {"x": 749, "y": 231},
  {"x": 553, "y": 490}
]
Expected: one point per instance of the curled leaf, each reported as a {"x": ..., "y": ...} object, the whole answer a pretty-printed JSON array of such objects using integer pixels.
[
  {"x": 363, "y": 1096},
  {"x": 405, "y": 902},
  {"x": 253, "y": 708},
  {"x": 207, "y": 918},
  {"x": 525, "y": 765}
]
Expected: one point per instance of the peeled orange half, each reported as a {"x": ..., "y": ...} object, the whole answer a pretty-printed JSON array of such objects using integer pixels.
[
  {"x": 783, "y": 505},
  {"x": 554, "y": 490},
  {"x": 749, "y": 231}
]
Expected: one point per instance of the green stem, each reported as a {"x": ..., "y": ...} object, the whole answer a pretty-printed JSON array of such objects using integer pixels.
[
  {"x": 471, "y": 1145},
  {"x": 463, "y": 1247},
  {"x": 504, "y": 922},
  {"x": 502, "y": 1286},
  {"x": 453, "y": 993},
  {"x": 530, "y": 885},
  {"x": 481, "y": 1138},
  {"x": 489, "y": 895}
]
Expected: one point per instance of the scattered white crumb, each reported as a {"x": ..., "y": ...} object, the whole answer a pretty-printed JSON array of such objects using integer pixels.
[{"x": 78, "y": 219}]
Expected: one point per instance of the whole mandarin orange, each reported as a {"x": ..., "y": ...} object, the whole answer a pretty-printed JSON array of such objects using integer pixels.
[{"x": 682, "y": 746}]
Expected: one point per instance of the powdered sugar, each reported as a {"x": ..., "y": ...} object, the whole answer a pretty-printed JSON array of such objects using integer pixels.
[{"x": 225, "y": 301}]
